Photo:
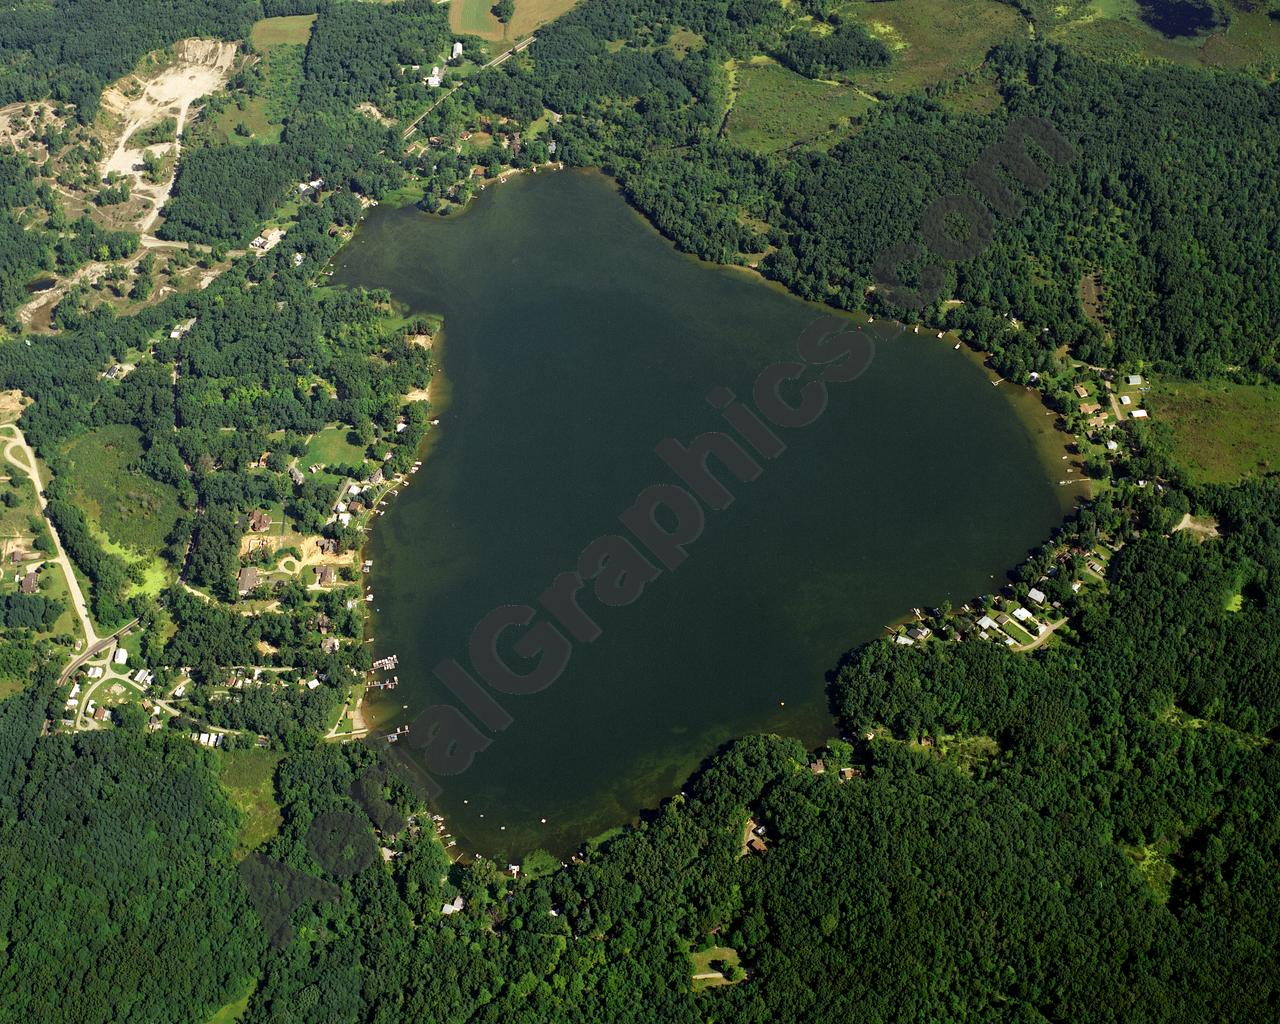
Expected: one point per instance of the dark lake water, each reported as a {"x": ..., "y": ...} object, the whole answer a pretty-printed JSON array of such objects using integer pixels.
[{"x": 576, "y": 340}]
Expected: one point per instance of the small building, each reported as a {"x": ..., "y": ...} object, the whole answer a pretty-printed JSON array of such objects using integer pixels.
[
  {"x": 919, "y": 632},
  {"x": 295, "y": 474},
  {"x": 377, "y": 477},
  {"x": 454, "y": 907},
  {"x": 456, "y": 52},
  {"x": 121, "y": 657},
  {"x": 1134, "y": 380},
  {"x": 259, "y": 521},
  {"x": 1082, "y": 391},
  {"x": 326, "y": 576},
  {"x": 30, "y": 583},
  {"x": 1126, "y": 400},
  {"x": 1035, "y": 594},
  {"x": 1112, "y": 446},
  {"x": 247, "y": 580},
  {"x": 100, "y": 714},
  {"x": 1139, "y": 414},
  {"x": 1002, "y": 619}
]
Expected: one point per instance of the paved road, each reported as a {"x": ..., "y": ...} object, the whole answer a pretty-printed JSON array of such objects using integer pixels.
[
  {"x": 29, "y": 465},
  {"x": 93, "y": 652}
]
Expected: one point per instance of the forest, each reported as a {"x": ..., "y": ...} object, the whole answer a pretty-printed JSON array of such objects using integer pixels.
[{"x": 1088, "y": 832}]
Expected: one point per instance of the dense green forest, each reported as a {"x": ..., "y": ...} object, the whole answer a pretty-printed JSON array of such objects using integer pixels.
[
  {"x": 70, "y": 49},
  {"x": 1087, "y": 832},
  {"x": 1169, "y": 195}
]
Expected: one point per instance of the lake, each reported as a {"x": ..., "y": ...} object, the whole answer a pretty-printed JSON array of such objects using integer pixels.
[{"x": 576, "y": 339}]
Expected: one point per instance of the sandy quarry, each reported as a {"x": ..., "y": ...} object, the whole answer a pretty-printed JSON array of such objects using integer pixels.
[{"x": 199, "y": 67}]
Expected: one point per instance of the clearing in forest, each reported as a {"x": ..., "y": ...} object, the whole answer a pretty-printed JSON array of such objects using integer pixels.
[{"x": 774, "y": 108}]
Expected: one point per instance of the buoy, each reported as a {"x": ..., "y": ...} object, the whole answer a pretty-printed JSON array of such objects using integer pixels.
[{"x": 544, "y": 821}]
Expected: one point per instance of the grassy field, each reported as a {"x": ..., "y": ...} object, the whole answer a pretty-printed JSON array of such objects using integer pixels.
[
  {"x": 133, "y": 510},
  {"x": 268, "y": 32},
  {"x": 234, "y": 1010},
  {"x": 932, "y": 40},
  {"x": 282, "y": 45},
  {"x": 248, "y": 776},
  {"x": 774, "y": 108},
  {"x": 472, "y": 17},
  {"x": 330, "y": 447},
  {"x": 702, "y": 965},
  {"x": 1222, "y": 432},
  {"x": 1114, "y": 30}
]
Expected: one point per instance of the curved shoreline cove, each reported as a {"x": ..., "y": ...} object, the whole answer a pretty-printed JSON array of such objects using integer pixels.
[{"x": 578, "y": 339}]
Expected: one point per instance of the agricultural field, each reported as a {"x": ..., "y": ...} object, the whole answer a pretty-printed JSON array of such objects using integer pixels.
[
  {"x": 249, "y": 778},
  {"x": 775, "y": 108},
  {"x": 474, "y": 17},
  {"x": 132, "y": 510},
  {"x": 1222, "y": 432}
]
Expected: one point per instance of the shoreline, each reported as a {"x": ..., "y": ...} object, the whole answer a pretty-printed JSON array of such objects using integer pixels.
[{"x": 1027, "y": 403}]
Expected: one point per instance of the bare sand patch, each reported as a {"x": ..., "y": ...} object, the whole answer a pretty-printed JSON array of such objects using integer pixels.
[{"x": 198, "y": 68}]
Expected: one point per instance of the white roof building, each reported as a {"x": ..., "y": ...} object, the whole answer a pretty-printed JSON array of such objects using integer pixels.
[
  {"x": 121, "y": 656},
  {"x": 1139, "y": 414},
  {"x": 1035, "y": 594},
  {"x": 457, "y": 49},
  {"x": 1133, "y": 380}
]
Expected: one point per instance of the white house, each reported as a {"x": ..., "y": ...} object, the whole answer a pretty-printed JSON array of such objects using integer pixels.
[
  {"x": 121, "y": 656},
  {"x": 457, "y": 50},
  {"x": 1035, "y": 594}
]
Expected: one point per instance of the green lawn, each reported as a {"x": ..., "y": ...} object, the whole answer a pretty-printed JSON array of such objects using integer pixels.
[
  {"x": 248, "y": 776},
  {"x": 330, "y": 447},
  {"x": 1222, "y": 432},
  {"x": 702, "y": 965},
  {"x": 133, "y": 510},
  {"x": 774, "y": 107}
]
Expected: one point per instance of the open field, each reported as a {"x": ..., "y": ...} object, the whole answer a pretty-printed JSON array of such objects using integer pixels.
[
  {"x": 268, "y": 32},
  {"x": 133, "y": 510},
  {"x": 932, "y": 40},
  {"x": 249, "y": 777},
  {"x": 473, "y": 17},
  {"x": 1115, "y": 30},
  {"x": 330, "y": 447},
  {"x": 774, "y": 107},
  {"x": 706, "y": 976},
  {"x": 1222, "y": 432}
]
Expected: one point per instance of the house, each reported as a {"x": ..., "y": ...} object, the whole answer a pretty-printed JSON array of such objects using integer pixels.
[
  {"x": 905, "y": 641},
  {"x": 182, "y": 328},
  {"x": 1139, "y": 414},
  {"x": 268, "y": 240},
  {"x": 847, "y": 773},
  {"x": 121, "y": 657},
  {"x": 1035, "y": 594},
  {"x": 456, "y": 52},
  {"x": 330, "y": 645},
  {"x": 326, "y": 576},
  {"x": 1089, "y": 408},
  {"x": 919, "y": 632},
  {"x": 377, "y": 477},
  {"x": 1112, "y": 446},
  {"x": 259, "y": 521},
  {"x": 434, "y": 79},
  {"x": 818, "y": 768},
  {"x": 987, "y": 622},
  {"x": 1098, "y": 422},
  {"x": 1082, "y": 391},
  {"x": 247, "y": 580},
  {"x": 453, "y": 908},
  {"x": 100, "y": 714},
  {"x": 295, "y": 474},
  {"x": 1003, "y": 620},
  {"x": 1134, "y": 380},
  {"x": 29, "y": 583},
  {"x": 1022, "y": 615}
]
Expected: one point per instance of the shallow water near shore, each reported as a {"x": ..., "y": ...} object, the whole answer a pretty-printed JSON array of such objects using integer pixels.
[{"x": 577, "y": 340}]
